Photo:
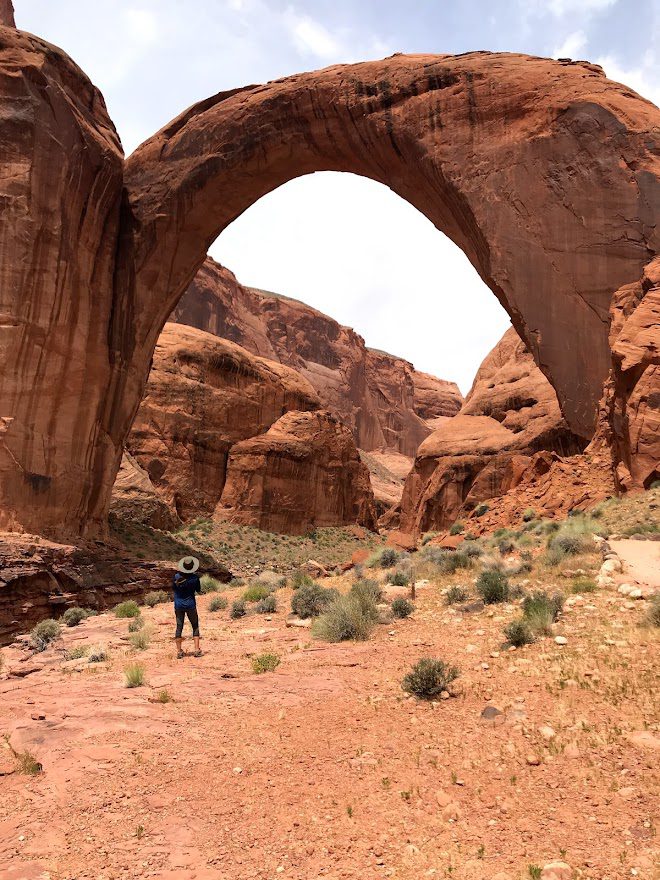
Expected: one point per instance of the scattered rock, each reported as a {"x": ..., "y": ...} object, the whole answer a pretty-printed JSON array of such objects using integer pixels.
[{"x": 556, "y": 871}]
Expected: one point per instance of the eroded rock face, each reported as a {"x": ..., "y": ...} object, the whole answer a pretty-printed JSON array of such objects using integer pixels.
[
  {"x": 303, "y": 473},
  {"x": 510, "y": 413},
  {"x": 7, "y": 13},
  {"x": 545, "y": 173},
  {"x": 387, "y": 472},
  {"x": 135, "y": 499},
  {"x": 380, "y": 397},
  {"x": 205, "y": 394}
]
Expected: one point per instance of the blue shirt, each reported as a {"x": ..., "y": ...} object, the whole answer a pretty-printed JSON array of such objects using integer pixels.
[{"x": 185, "y": 586}]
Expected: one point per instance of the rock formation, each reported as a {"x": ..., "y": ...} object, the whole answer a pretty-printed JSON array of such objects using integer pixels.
[
  {"x": 387, "y": 472},
  {"x": 135, "y": 498},
  {"x": 7, "y": 13},
  {"x": 510, "y": 413},
  {"x": 303, "y": 473},
  {"x": 545, "y": 173},
  {"x": 375, "y": 394},
  {"x": 205, "y": 394}
]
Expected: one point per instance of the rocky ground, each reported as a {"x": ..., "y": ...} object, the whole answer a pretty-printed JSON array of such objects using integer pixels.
[{"x": 324, "y": 767}]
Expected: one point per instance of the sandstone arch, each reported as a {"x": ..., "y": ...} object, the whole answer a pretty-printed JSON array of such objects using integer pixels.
[{"x": 545, "y": 173}]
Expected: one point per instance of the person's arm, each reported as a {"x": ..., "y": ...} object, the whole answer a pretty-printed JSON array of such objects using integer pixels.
[{"x": 198, "y": 585}]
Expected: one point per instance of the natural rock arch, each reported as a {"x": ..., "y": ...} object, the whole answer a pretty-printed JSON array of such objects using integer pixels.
[{"x": 545, "y": 173}]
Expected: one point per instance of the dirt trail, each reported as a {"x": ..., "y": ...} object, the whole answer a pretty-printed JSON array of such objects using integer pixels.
[
  {"x": 641, "y": 560},
  {"x": 324, "y": 768}
]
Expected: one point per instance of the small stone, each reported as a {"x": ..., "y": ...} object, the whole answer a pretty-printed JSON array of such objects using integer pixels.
[
  {"x": 556, "y": 871},
  {"x": 444, "y": 695},
  {"x": 490, "y": 712},
  {"x": 451, "y": 813},
  {"x": 635, "y": 593},
  {"x": 561, "y": 640},
  {"x": 547, "y": 732},
  {"x": 238, "y": 770},
  {"x": 533, "y": 760},
  {"x": 572, "y": 751}
]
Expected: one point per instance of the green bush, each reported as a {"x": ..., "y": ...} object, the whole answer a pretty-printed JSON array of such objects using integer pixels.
[
  {"x": 218, "y": 603},
  {"x": 388, "y": 557},
  {"x": 76, "y": 653},
  {"x": 368, "y": 594},
  {"x": 74, "y": 616},
  {"x": 529, "y": 515},
  {"x": 480, "y": 509},
  {"x": 399, "y": 578},
  {"x": 156, "y": 597},
  {"x": 456, "y": 594},
  {"x": 264, "y": 663},
  {"x": 429, "y": 678},
  {"x": 256, "y": 592},
  {"x": 519, "y": 633},
  {"x": 506, "y": 546},
  {"x": 583, "y": 585},
  {"x": 653, "y": 613},
  {"x": 140, "y": 640},
  {"x": 136, "y": 624},
  {"x": 267, "y": 605},
  {"x": 238, "y": 609},
  {"x": 446, "y": 561},
  {"x": 428, "y": 536},
  {"x": 350, "y": 617},
  {"x": 457, "y": 528},
  {"x": 127, "y": 609},
  {"x": 493, "y": 586},
  {"x": 471, "y": 549},
  {"x": 45, "y": 632},
  {"x": 134, "y": 675},
  {"x": 402, "y": 608},
  {"x": 541, "y": 610},
  {"x": 98, "y": 654},
  {"x": 310, "y": 601},
  {"x": 301, "y": 579},
  {"x": 209, "y": 584},
  {"x": 271, "y": 579}
]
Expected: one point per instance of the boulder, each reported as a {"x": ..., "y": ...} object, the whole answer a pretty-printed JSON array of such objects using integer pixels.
[
  {"x": 303, "y": 473},
  {"x": 135, "y": 499},
  {"x": 204, "y": 394}
]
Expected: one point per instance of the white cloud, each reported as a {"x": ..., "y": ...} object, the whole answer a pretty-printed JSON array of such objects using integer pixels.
[
  {"x": 560, "y": 8},
  {"x": 644, "y": 79},
  {"x": 311, "y": 38},
  {"x": 572, "y": 46},
  {"x": 141, "y": 25}
]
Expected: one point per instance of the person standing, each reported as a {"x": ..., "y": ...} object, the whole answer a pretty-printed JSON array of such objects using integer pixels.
[{"x": 186, "y": 585}]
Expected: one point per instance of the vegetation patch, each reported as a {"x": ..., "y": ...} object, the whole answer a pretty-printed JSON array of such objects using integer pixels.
[
  {"x": 156, "y": 597},
  {"x": 310, "y": 601},
  {"x": 493, "y": 586},
  {"x": 74, "y": 616},
  {"x": 402, "y": 608},
  {"x": 264, "y": 663},
  {"x": 127, "y": 609},
  {"x": 45, "y": 632},
  {"x": 238, "y": 609},
  {"x": 218, "y": 603},
  {"x": 429, "y": 678},
  {"x": 209, "y": 584},
  {"x": 349, "y": 618},
  {"x": 134, "y": 675}
]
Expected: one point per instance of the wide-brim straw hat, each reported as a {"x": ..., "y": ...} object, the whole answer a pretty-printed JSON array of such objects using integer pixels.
[{"x": 188, "y": 565}]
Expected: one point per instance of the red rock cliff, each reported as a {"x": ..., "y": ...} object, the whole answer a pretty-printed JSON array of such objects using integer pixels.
[
  {"x": 303, "y": 473},
  {"x": 381, "y": 398}
]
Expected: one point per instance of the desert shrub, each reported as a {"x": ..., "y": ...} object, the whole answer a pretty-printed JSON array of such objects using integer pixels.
[
  {"x": 127, "y": 609},
  {"x": 480, "y": 509},
  {"x": 140, "y": 640},
  {"x": 385, "y": 557},
  {"x": 429, "y": 678},
  {"x": 574, "y": 536},
  {"x": 267, "y": 605},
  {"x": 529, "y": 515},
  {"x": 136, "y": 624},
  {"x": 456, "y": 594},
  {"x": 428, "y": 536},
  {"x": 311, "y": 601},
  {"x": 506, "y": 546},
  {"x": 301, "y": 579},
  {"x": 238, "y": 609},
  {"x": 399, "y": 578},
  {"x": 655, "y": 484},
  {"x": 134, "y": 675},
  {"x": 493, "y": 586},
  {"x": 449, "y": 561},
  {"x": 541, "y": 610},
  {"x": 76, "y": 653},
  {"x": 471, "y": 549},
  {"x": 156, "y": 597},
  {"x": 583, "y": 585},
  {"x": 97, "y": 654},
  {"x": 256, "y": 592},
  {"x": 264, "y": 663},
  {"x": 73, "y": 616},
  {"x": 457, "y": 528},
  {"x": 209, "y": 584},
  {"x": 218, "y": 603},
  {"x": 519, "y": 633},
  {"x": 368, "y": 594},
  {"x": 237, "y": 582},
  {"x": 271, "y": 579},
  {"x": 164, "y": 696},
  {"x": 45, "y": 632},
  {"x": 348, "y": 618},
  {"x": 653, "y": 613},
  {"x": 402, "y": 608},
  {"x": 28, "y": 764}
]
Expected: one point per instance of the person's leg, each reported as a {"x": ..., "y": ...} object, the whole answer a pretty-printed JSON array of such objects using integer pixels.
[
  {"x": 193, "y": 617},
  {"x": 180, "y": 615}
]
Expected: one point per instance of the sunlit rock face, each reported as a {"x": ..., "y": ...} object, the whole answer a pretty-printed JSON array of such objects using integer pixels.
[{"x": 545, "y": 173}]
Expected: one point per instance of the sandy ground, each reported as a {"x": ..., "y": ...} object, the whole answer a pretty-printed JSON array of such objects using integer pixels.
[
  {"x": 324, "y": 768},
  {"x": 641, "y": 560}
]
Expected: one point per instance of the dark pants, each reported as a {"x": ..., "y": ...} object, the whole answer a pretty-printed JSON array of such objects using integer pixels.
[{"x": 180, "y": 620}]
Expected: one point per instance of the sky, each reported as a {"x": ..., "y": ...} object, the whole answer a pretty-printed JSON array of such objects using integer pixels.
[{"x": 345, "y": 245}]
